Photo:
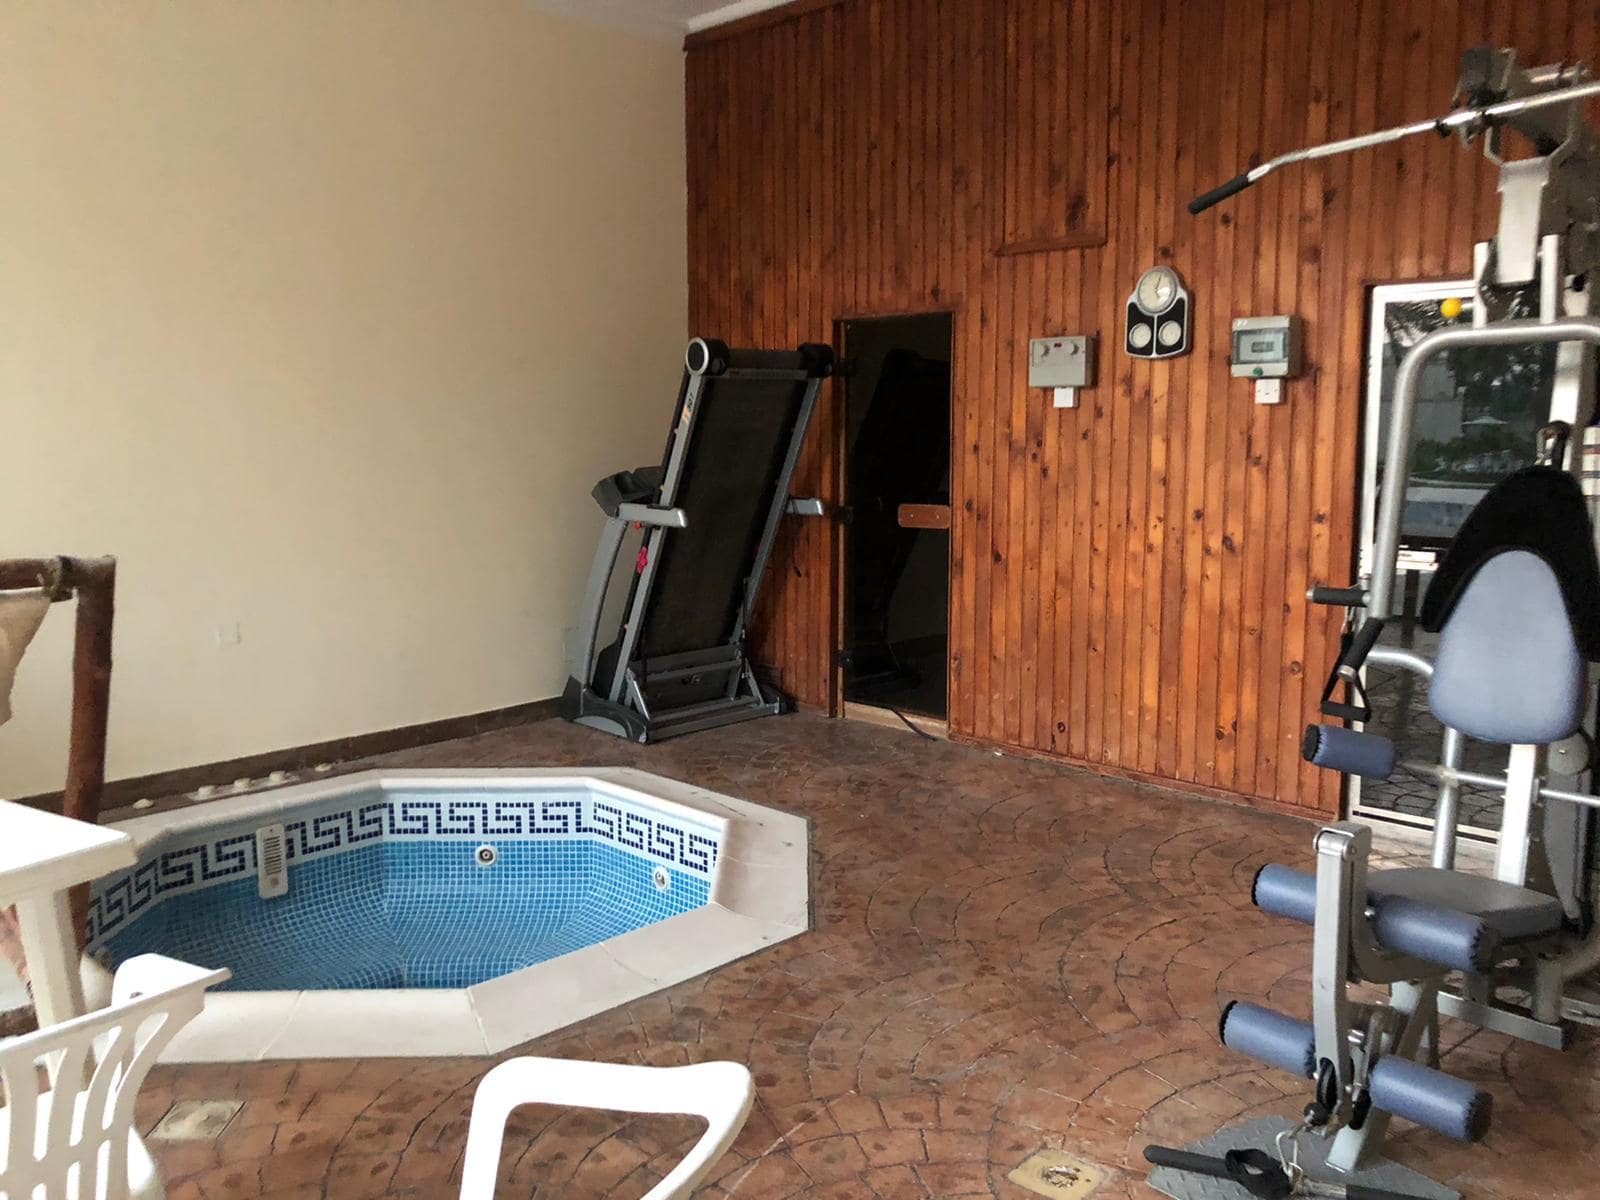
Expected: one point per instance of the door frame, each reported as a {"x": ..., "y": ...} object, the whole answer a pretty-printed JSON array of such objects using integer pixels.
[
  {"x": 1411, "y": 562},
  {"x": 837, "y": 705}
]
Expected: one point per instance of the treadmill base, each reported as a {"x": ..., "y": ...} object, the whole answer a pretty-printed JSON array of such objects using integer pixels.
[{"x": 582, "y": 707}]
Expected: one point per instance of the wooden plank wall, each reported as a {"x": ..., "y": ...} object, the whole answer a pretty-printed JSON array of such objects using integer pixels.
[{"x": 1126, "y": 577}]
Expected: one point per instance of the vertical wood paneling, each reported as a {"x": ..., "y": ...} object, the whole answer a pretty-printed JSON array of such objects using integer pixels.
[
  {"x": 1053, "y": 193},
  {"x": 1126, "y": 577}
]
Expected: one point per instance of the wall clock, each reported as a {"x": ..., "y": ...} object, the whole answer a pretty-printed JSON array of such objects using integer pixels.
[{"x": 1158, "y": 316}]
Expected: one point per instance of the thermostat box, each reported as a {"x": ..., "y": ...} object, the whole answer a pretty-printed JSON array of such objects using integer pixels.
[
  {"x": 1061, "y": 362},
  {"x": 1265, "y": 347}
]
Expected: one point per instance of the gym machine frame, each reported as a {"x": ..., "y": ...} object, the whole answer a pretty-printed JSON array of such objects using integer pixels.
[{"x": 1548, "y": 241}]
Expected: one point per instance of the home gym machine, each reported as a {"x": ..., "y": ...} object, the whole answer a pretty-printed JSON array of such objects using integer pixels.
[
  {"x": 709, "y": 512},
  {"x": 1515, "y": 603}
]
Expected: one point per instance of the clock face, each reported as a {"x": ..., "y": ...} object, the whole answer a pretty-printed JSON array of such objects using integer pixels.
[{"x": 1158, "y": 288}]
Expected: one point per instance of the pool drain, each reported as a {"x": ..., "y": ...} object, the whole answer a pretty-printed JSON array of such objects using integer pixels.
[
  {"x": 195, "y": 1120},
  {"x": 486, "y": 856},
  {"x": 1057, "y": 1173}
]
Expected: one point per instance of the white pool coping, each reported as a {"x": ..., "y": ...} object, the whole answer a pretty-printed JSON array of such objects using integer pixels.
[{"x": 760, "y": 896}]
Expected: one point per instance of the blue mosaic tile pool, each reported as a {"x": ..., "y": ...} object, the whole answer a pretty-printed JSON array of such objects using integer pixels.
[
  {"x": 402, "y": 906},
  {"x": 419, "y": 915}
]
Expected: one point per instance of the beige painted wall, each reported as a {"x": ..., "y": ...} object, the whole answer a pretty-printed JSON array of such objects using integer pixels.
[{"x": 323, "y": 317}]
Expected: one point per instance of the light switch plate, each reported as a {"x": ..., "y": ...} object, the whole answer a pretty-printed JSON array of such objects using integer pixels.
[{"x": 1269, "y": 391}]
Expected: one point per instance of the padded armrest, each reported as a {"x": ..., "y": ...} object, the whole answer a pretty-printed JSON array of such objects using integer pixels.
[
  {"x": 638, "y": 486},
  {"x": 156, "y": 974}
]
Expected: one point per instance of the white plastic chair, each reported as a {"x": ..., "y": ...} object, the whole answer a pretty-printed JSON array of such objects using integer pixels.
[
  {"x": 87, "y": 1149},
  {"x": 721, "y": 1092}
]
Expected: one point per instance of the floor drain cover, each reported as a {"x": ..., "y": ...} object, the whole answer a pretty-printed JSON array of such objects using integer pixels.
[
  {"x": 1058, "y": 1174},
  {"x": 195, "y": 1120}
]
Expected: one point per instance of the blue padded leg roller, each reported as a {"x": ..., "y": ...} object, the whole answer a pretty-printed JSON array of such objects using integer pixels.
[
  {"x": 1437, "y": 935},
  {"x": 1444, "y": 936},
  {"x": 1349, "y": 751},
  {"x": 1270, "y": 1037},
  {"x": 1441, "y": 1102},
  {"x": 1285, "y": 892}
]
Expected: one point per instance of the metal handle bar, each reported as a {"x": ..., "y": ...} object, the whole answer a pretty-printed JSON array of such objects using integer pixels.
[{"x": 1461, "y": 117}]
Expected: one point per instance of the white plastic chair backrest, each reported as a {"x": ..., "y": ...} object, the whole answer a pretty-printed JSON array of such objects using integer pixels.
[
  {"x": 721, "y": 1092},
  {"x": 73, "y": 1139}
]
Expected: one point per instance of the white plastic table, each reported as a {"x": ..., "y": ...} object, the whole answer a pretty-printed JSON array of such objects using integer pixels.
[{"x": 42, "y": 858}]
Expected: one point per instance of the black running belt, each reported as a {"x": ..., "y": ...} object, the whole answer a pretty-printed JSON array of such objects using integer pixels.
[
  {"x": 728, "y": 482},
  {"x": 1539, "y": 509}
]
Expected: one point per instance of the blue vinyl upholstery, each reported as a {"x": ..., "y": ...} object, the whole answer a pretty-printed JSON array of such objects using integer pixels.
[
  {"x": 1508, "y": 669},
  {"x": 1446, "y": 917}
]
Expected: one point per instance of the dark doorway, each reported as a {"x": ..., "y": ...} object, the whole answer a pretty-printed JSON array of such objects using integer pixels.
[{"x": 896, "y": 600}]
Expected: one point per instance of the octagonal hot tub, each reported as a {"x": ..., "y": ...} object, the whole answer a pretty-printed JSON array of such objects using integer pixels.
[{"x": 447, "y": 912}]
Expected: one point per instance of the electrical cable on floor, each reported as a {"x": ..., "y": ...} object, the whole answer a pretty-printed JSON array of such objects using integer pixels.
[
  {"x": 920, "y": 732},
  {"x": 905, "y": 720}
]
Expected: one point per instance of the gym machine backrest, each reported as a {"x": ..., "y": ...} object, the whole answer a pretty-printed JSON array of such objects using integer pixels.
[{"x": 710, "y": 511}]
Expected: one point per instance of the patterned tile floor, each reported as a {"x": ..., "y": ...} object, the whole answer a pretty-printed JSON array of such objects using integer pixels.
[{"x": 1007, "y": 956}]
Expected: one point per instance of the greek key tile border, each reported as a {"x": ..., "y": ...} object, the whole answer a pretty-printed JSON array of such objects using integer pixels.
[{"x": 401, "y": 817}]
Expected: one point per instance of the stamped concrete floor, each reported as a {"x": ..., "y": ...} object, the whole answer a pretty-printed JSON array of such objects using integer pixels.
[{"x": 1007, "y": 956}]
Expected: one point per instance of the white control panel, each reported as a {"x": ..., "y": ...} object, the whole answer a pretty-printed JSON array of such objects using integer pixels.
[
  {"x": 1267, "y": 350},
  {"x": 1063, "y": 364}
]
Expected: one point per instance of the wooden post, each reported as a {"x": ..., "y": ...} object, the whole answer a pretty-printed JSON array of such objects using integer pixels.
[{"x": 94, "y": 582}]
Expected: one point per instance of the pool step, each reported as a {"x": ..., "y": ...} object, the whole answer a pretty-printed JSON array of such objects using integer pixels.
[{"x": 272, "y": 867}]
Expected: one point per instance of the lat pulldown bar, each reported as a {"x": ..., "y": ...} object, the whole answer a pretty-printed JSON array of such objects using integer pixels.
[{"x": 1470, "y": 120}]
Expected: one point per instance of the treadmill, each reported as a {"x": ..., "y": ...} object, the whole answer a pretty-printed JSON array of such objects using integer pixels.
[{"x": 709, "y": 512}]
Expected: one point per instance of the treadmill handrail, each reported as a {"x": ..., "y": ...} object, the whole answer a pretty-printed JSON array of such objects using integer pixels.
[
  {"x": 654, "y": 515},
  {"x": 672, "y": 470}
]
